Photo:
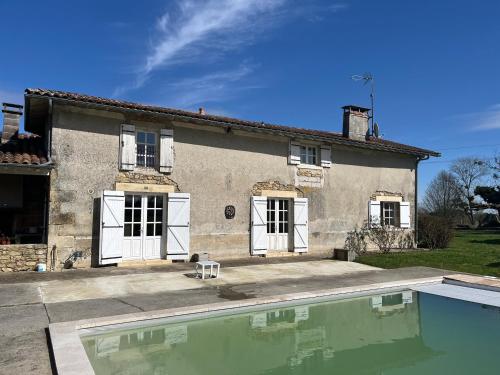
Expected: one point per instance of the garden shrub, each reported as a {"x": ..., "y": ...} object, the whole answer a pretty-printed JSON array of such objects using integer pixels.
[
  {"x": 385, "y": 237},
  {"x": 406, "y": 240},
  {"x": 434, "y": 232},
  {"x": 356, "y": 241}
]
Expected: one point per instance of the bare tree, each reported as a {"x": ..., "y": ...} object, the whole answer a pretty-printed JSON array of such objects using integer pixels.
[
  {"x": 443, "y": 197},
  {"x": 468, "y": 173}
]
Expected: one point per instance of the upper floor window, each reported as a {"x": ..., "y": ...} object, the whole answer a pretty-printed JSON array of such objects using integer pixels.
[
  {"x": 151, "y": 149},
  {"x": 308, "y": 155},
  {"x": 146, "y": 149},
  {"x": 389, "y": 213}
]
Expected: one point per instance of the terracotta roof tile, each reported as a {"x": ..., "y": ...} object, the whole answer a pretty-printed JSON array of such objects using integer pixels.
[
  {"x": 336, "y": 138},
  {"x": 23, "y": 149}
]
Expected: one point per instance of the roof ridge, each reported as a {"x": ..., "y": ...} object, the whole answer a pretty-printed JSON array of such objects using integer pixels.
[
  {"x": 59, "y": 93},
  {"x": 334, "y": 137}
]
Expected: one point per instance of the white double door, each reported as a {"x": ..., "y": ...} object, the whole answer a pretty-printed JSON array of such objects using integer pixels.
[
  {"x": 278, "y": 214},
  {"x": 143, "y": 226}
]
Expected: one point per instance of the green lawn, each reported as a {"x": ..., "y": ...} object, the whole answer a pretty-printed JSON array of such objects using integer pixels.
[{"x": 470, "y": 251}]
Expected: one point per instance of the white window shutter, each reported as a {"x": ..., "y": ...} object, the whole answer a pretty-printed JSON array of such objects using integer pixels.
[
  {"x": 404, "y": 215},
  {"x": 300, "y": 225},
  {"x": 294, "y": 153},
  {"x": 127, "y": 147},
  {"x": 326, "y": 156},
  {"x": 166, "y": 150},
  {"x": 178, "y": 222},
  {"x": 259, "y": 225},
  {"x": 374, "y": 213},
  {"x": 111, "y": 233}
]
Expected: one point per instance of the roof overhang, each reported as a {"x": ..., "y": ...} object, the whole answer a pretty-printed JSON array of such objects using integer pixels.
[
  {"x": 219, "y": 121},
  {"x": 26, "y": 169}
]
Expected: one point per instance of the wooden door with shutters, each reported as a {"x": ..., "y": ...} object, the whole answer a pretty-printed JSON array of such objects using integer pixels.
[
  {"x": 111, "y": 227},
  {"x": 278, "y": 224},
  {"x": 178, "y": 226},
  {"x": 143, "y": 226},
  {"x": 300, "y": 225},
  {"x": 258, "y": 231}
]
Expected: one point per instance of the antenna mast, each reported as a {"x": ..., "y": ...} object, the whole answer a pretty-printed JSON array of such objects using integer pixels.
[{"x": 368, "y": 77}]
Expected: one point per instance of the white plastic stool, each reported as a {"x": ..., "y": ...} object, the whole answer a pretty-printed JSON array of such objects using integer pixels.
[{"x": 205, "y": 264}]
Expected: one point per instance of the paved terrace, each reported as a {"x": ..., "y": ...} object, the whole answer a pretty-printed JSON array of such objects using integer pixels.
[{"x": 30, "y": 301}]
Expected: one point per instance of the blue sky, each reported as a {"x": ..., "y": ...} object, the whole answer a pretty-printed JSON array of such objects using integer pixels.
[{"x": 436, "y": 63}]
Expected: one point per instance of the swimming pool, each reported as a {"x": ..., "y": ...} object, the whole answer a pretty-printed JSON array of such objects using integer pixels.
[{"x": 403, "y": 332}]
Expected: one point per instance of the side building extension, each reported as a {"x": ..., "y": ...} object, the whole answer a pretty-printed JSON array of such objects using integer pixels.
[{"x": 24, "y": 189}]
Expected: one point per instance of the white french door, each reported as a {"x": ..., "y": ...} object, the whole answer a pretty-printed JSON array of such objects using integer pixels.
[
  {"x": 143, "y": 226},
  {"x": 278, "y": 224}
]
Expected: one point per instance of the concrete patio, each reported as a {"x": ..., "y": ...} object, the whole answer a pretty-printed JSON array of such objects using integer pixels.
[{"x": 29, "y": 302}]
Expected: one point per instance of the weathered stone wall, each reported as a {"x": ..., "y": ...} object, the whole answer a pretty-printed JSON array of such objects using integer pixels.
[
  {"x": 15, "y": 258},
  {"x": 146, "y": 177},
  {"x": 275, "y": 186},
  {"x": 217, "y": 168}
]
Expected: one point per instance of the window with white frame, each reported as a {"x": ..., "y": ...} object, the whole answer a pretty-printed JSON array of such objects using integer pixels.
[
  {"x": 277, "y": 215},
  {"x": 308, "y": 155},
  {"x": 146, "y": 149},
  {"x": 389, "y": 213}
]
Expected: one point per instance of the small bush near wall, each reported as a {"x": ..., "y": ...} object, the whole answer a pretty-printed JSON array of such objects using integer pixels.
[
  {"x": 434, "y": 232},
  {"x": 356, "y": 241},
  {"x": 406, "y": 240},
  {"x": 385, "y": 237}
]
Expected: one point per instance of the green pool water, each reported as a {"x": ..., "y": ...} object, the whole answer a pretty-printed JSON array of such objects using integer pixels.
[{"x": 398, "y": 333}]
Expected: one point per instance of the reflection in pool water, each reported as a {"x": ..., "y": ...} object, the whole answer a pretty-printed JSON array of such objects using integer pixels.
[{"x": 398, "y": 333}]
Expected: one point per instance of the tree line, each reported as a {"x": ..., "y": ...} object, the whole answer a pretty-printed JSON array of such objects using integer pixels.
[{"x": 468, "y": 188}]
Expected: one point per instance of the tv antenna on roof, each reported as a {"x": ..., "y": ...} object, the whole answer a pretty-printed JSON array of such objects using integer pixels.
[{"x": 368, "y": 78}]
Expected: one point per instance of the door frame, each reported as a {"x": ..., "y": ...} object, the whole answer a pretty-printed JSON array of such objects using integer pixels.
[
  {"x": 289, "y": 232},
  {"x": 143, "y": 236}
]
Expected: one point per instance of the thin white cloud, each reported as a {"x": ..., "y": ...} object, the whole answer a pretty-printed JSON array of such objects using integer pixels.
[
  {"x": 201, "y": 31},
  {"x": 203, "y": 28},
  {"x": 162, "y": 23},
  {"x": 210, "y": 88},
  {"x": 220, "y": 24},
  {"x": 488, "y": 119},
  {"x": 316, "y": 12}
]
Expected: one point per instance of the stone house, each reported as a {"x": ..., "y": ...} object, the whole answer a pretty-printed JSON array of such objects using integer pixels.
[{"x": 132, "y": 182}]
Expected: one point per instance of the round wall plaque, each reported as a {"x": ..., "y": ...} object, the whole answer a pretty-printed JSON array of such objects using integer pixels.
[{"x": 229, "y": 211}]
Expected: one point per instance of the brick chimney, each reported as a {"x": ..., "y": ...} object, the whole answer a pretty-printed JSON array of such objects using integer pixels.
[
  {"x": 355, "y": 124},
  {"x": 11, "y": 117}
]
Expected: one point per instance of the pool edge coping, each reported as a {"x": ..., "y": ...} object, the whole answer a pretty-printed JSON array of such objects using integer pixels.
[{"x": 65, "y": 338}]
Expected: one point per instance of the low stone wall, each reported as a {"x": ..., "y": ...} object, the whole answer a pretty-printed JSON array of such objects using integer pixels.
[{"x": 14, "y": 258}]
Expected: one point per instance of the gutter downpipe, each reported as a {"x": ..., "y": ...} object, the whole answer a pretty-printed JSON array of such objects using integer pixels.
[
  {"x": 419, "y": 159},
  {"x": 50, "y": 252}
]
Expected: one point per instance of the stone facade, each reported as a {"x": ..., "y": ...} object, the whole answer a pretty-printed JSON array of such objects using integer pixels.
[
  {"x": 14, "y": 258},
  {"x": 218, "y": 168},
  {"x": 309, "y": 177}
]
